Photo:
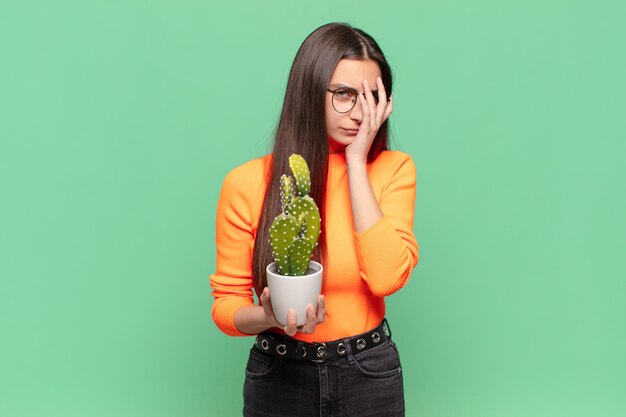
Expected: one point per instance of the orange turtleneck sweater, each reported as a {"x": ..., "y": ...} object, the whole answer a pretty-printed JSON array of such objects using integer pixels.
[{"x": 362, "y": 268}]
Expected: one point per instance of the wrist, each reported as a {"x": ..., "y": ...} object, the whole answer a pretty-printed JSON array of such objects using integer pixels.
[
  {"x": 251, "y": 320},
  {"x": 355, "y": 164},
  {"x": 267, "y": 322},
  {"x": 354, "y": 158}
]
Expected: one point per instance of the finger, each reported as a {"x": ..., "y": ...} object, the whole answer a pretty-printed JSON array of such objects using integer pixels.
[
  {"x": 366, "y": 114},
  {"x": 382, "y": 93},
  {"x": 321, "y": 309},
  {"x": 265, "y": 302},
  {"x": 268, "y": 310},
  {"x": 309, "y": 325},
  {"x": 311, "y": 319},
  {"x": 290, "y": 328},
  {"x": 371, "y": 104},
  {"x": 388, "y": 110},
  {"x": 265, "y": 295},
  {"x": 382, "y": 101}
]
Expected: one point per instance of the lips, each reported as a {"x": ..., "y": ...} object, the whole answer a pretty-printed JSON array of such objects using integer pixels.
[{"x": 350, "y": 131}]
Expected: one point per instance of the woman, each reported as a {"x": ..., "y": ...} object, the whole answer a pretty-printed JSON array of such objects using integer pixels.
[{"x": 342, "y": 361}]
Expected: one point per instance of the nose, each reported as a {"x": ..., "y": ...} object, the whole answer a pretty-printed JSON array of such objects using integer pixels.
[{"x": 357, "y": 112}]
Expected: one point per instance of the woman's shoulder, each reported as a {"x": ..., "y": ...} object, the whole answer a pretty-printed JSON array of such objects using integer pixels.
[
  {"x": 392, "y": 160},
  {"x": 253, "y": 166},
  {"x": 248, "y": 176}
]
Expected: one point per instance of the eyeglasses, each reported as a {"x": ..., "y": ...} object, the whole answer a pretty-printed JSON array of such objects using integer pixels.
[{"x": 344, "y": 98}]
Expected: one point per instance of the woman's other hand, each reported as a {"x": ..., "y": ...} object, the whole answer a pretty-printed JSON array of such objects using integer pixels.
[
  {"x": 313, "y": 318},
  {"x": 374, "y": 115}
]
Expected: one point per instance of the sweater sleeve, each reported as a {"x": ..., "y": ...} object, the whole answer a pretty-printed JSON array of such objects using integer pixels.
[
  {"x": 387, "y": 252},
  {"x": 232, "y": 280}
]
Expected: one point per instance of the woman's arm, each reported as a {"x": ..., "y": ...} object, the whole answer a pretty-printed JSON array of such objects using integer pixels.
[
  {"x": 255, "y": 319},
  {"x": 365, "y": 209},
  {"x": 251, "y": 320},
  {"x": 234, "y": 311},
  {"x": 386, "y": 247},
  {"x": 232, "y": 279}
]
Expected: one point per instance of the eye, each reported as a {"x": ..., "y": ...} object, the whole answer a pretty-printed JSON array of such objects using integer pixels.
[{"x": 344, "y": 94}]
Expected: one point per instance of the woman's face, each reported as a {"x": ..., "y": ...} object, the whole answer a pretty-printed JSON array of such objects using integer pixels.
[{"x": 348, "y": 73}]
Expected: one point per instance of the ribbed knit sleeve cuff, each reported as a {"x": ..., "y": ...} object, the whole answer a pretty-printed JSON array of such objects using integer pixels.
[
  {"x": 224, "y": 315},
  {"x": 386, "y": 257}
]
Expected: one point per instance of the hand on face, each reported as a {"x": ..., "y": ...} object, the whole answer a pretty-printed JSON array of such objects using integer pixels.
[{"x": 374, "y": 115}]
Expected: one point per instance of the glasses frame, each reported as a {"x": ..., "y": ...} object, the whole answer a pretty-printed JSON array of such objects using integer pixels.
[{"x": 374, "y": 93}]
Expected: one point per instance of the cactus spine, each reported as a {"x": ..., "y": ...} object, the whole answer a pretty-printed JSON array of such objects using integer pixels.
[{"x": 295, "y": 232}]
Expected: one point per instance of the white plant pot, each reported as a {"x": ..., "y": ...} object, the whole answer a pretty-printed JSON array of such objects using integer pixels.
[{"x": 287, "y": 292}]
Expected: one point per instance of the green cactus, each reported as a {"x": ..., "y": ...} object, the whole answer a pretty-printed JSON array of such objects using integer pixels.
[
  {"x": 287, "y": 191},
  {"x": 295, "y": 232},
  {"x": 301, "y": 173}
]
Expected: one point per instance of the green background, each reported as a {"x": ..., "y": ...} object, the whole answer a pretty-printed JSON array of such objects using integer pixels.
[{"x": 120, "y": 119}]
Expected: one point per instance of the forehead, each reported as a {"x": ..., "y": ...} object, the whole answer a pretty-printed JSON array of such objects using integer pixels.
[{"x": 352, "y": 72}]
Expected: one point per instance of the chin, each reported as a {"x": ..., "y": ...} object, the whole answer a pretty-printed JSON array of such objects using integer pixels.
[
  {"x": 338, "y": 145},
  {"x": 341, "y": 139}
]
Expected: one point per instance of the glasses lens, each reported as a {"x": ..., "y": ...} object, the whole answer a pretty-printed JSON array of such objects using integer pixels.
[{"x": 344, "y": 99}]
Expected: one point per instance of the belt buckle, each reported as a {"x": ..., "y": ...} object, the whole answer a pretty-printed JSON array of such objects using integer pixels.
[{"x": 321, "y": 353}]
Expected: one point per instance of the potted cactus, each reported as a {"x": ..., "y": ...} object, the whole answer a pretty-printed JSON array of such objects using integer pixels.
[{"x": 294, "y": 279}]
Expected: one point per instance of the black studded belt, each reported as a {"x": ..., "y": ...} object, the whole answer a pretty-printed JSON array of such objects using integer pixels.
[{"x": 288, "y": 347}]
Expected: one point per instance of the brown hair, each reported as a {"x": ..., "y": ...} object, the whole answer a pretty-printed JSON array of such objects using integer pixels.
[{"x": 302, "y": 127}]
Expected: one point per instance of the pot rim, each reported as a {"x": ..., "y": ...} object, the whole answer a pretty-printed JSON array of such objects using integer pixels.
[{"x": 276, "y": 274}]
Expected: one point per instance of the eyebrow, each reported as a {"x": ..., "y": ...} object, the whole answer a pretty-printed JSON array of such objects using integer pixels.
[{"x": 345, "y": 85}]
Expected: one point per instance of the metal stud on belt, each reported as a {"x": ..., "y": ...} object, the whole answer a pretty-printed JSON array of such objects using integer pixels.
[
  {"x": 360, "y": 344},
  {"x": 321, "y": 351}
]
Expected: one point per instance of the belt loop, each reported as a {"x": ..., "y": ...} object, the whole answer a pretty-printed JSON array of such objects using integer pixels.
[
  {"x": 386, "y": 328},
  {"x": 346, "y": 341}
]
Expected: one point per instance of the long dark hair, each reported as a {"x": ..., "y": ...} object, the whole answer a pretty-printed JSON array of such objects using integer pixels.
[{"x": 302, "y": 127}]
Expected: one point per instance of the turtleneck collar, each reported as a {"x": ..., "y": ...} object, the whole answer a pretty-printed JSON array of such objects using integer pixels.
[{"x": 336, "y": 159}]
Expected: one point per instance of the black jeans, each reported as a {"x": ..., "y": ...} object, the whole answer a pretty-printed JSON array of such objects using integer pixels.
[{"x": 359, "y": 384}]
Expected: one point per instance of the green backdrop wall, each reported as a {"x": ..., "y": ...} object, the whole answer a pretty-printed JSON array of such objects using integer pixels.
[{"x": 120, "y": 119}]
